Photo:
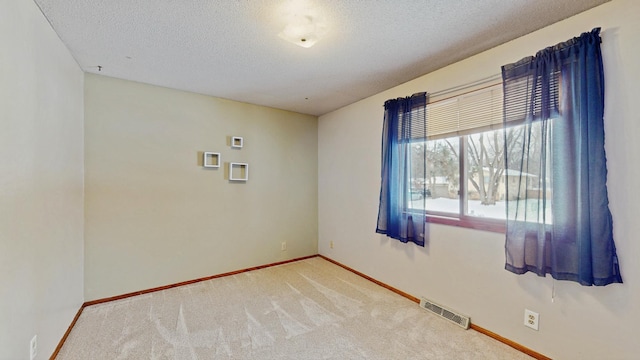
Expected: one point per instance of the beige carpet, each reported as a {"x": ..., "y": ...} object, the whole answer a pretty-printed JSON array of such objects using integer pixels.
[{"x": 310, "y": 309}]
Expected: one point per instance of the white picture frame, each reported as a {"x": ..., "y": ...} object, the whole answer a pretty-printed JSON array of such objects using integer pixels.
[
  {"x": 211, "y": 159},
  {"x": 238, "y": 171},
  {"x": 237, "y": 142}
]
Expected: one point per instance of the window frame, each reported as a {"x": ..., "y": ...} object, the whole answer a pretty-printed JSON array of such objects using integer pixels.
[{"x": 461, "y": 219}]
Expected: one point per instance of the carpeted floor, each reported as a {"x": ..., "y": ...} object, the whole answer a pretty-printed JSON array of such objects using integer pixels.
[{"x": 310, "y": 309}]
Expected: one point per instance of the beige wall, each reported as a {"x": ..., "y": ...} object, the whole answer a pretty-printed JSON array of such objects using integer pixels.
[
  {"x": 155, "y": 216},
  {"x": 41, "y": 183},
  {"x": 464, "y": 268}
]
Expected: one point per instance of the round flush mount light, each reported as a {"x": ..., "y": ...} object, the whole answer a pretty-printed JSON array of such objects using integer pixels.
[{"x": 304, "y": 24}]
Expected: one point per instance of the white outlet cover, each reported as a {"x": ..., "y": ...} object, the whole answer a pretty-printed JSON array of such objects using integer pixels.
[{"x": 531, "y": 319}]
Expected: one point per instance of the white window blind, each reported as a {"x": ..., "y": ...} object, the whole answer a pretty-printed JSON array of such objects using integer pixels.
[
  {"x": 526, "y": 98},
  {"x": 476, "y": 111}
]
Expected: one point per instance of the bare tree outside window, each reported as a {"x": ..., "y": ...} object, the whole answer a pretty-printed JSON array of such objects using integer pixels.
[
  {"x": 485, "y": 167},
  {"x": 489, "y": 183},
  {"x": 464, "y": 180}
]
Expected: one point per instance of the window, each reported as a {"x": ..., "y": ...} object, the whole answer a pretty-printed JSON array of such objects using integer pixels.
[
  {"x": 465, "y": 181},
  {"x": 456, "y": 175}
]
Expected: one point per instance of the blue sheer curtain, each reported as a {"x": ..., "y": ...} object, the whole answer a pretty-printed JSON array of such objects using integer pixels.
[
  {"x": 404, "y": 122},
  {"x": 558, "y": 218}
]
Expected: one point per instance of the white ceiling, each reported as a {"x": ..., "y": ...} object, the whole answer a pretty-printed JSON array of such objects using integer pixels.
[{"x": 231, "y": 49}]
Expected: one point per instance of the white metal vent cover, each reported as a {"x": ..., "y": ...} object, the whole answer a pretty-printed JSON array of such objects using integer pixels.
[{"x": 453, "y": 316}]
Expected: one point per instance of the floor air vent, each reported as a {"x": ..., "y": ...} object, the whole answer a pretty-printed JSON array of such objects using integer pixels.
[{"x": 458, "y": 319}]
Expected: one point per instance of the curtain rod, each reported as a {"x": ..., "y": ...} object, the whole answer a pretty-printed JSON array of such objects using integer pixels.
[{"x": 493, "y": 79}]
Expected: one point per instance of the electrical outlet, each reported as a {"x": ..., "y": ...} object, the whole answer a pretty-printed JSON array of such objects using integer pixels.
[
  {"x": 33, "y": 347},
  {"x": 531, "y": 319},
  {"x": 283, "y": 246},
  {"x": 331, "y": 244}
]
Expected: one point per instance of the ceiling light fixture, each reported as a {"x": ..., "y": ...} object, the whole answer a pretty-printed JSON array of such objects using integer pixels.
[{"x": 304, "y": 26}]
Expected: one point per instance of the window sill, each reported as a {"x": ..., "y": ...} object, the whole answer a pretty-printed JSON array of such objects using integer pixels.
[{"x": 497, "y": 226}]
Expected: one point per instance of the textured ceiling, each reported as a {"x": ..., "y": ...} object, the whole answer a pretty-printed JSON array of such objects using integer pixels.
[{"x": 231, "y": 49}]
